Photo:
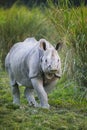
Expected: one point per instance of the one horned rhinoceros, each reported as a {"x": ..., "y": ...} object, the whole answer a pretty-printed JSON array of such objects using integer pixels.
[{"x": 35, "y": 65}]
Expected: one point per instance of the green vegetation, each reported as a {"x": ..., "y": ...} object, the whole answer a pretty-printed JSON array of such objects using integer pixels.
[
  {"x": 69, "y": 99},
  {"x": 67, "y": 111}
]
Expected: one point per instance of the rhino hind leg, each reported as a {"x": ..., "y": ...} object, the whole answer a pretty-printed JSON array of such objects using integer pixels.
[
  {"x": 30, "y": 97},
  {"x": 14, "y": 89},
  {"x": 16, "y": 94}
]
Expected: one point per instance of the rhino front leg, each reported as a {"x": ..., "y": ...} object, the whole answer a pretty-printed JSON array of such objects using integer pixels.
[
  {"x": 42, "y": 95},
  {"x": 30, "y": 97}
]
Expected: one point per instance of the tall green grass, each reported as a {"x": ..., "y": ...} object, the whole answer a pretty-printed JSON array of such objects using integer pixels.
[
  {"x": 20, "y": 22},
  {"x": 71, "y": 25}
]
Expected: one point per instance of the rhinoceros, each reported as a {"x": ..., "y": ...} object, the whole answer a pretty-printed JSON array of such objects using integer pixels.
[{"x": 35, "y": 65}]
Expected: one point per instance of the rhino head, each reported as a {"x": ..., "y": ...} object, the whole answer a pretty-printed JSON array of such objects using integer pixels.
[{"x": 50, "y": 61}]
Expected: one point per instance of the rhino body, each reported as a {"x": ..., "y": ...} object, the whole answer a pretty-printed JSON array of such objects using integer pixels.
[{"x": 35, "y": 65}]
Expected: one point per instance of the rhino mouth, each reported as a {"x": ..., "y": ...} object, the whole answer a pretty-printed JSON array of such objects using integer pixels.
[{"x": 50, "y": 74}]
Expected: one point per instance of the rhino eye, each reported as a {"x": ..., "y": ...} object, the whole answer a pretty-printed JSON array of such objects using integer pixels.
[{"x": 46, "y": 60}]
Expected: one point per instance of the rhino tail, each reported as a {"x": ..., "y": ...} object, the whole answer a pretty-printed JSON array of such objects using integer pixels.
[{"x": 7, "y": 64}]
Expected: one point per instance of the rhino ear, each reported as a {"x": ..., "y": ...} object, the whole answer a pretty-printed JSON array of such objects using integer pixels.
[
  {"x": 43, "y": 44},
  {"x": 58, "y": 45}
]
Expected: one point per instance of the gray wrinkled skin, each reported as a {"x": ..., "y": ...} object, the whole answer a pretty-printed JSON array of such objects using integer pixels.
[{"x": 35, "y": 65}]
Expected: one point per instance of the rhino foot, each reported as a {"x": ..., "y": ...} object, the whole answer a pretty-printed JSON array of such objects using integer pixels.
[
  {"x": 16, "y": 101},
  {"x": 39, "y": 105},
  {"x": 47, "y": 106},
  {"x": 35, "y": 104}
]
